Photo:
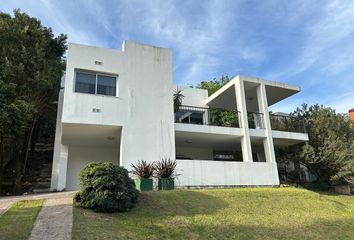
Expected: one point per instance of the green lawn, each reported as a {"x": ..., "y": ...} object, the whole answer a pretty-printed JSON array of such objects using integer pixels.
[
  {"x": 18, "y": 221},
  {"x": 244, "y": 213}
]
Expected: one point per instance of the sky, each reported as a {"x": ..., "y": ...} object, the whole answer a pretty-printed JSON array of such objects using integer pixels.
[{"x": 304, "y": 43}]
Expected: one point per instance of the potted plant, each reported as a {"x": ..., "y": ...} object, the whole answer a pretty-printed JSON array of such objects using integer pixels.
[
  {"x": 165, "y": 170},
  {"x": 144, "y": 171}
]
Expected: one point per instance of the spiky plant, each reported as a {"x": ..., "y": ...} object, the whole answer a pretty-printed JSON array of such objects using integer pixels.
[
  {"x": 177, "y": 99},
  {"x": 165, "y": 168},
  {"x": 143, "y": 169}
]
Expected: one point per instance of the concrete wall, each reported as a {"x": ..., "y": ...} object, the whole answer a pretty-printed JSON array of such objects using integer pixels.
[
  {"x": 79, "y": 156},
  {"x": 143, "y": 106},
  {"x": 214, "y": 173},
  {"x": 193, "y": 96}
]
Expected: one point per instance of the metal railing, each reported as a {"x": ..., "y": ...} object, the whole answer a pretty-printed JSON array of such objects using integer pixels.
[
  {"x": 287, "y": 123},
  {"x": 207, "y": 116},
  {"x": 255, "y": 120}
]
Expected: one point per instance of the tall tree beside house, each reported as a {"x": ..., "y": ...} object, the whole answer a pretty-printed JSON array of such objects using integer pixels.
[
  {"x": 214, "y": 85},
  {"x": 329, "y": 153},
  {"x": 31, "y": 65}
]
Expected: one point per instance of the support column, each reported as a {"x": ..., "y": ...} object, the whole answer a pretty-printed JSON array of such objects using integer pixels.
[
  {"x": 60, "y": 155},
  {"x": 263, "y": 108},
  {"x": 242, "y": 108}
]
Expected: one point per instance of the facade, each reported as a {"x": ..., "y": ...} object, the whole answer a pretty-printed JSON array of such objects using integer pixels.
[{"x": 118, "y": 106}]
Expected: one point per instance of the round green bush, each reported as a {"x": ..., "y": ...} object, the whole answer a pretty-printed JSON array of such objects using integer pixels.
[{"x": 105, "y": 187}]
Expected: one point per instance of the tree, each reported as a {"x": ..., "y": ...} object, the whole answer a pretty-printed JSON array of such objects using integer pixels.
[
  {"x": 329, "y": 153},
  {"x": 31, "y": 65},
  {"x": 213, "y": 85}
]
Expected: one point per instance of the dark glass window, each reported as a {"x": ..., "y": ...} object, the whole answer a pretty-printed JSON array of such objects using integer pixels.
[
  {"x": 95, "y": 84},
  {"x": 85, "y": 83},
  {"x": 106, "y": 85}
]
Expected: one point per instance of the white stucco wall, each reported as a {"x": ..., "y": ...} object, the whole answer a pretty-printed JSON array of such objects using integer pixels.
[
  {"x": 79, "y": 156},
  {"x": 143, "y": 106},
  {"x": 193, "y": 96},
  {"x": 214, "y": 173}
]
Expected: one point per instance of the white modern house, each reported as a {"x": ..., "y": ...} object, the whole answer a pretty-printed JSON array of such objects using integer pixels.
[{"x": 118, "y": 106}]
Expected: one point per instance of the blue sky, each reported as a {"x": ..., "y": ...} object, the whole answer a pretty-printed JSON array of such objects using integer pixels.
[{"x": 305, "y": 43}]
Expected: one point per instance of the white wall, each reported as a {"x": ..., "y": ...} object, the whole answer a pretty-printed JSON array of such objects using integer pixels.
[
  {"x": 213, "y": 173},
  {"x": 79, "y": 156},
  {"x": 193, "y": 96},
  {"x": 143, "y": 106}
]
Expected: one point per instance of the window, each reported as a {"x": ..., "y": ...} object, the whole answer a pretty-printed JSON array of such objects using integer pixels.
[{"x": 94, "y": 83}]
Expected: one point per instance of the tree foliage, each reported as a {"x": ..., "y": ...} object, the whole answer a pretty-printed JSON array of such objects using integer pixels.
[
  {"x": 213, "y": 85},
  {"x": 105, "y": 187},
  {"x": 329, "y": 153},
  {"x": 31, "y": 64}
]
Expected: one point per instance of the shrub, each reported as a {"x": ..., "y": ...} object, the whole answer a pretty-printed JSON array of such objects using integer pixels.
[
  {"x": 105, "y": 187},
  {"x": 143, "y": 169},
  {"x": 165, "y": 168}
]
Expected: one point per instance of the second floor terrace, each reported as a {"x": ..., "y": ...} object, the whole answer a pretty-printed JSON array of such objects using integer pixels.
[
  {"x": 231, "y": 118},
  {"x": 244, "y": 101}
]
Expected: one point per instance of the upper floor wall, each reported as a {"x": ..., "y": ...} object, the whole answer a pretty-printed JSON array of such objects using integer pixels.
[{"x": 143, "y": 77}]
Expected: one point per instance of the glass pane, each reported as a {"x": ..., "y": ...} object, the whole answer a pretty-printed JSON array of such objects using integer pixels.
[
  {"x": 106, "y": 85},
  {"x": 85, "y": 82}
]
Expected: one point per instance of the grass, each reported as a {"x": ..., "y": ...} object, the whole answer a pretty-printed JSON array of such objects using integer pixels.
[
  {"x": 256, "y": 213},
  {"x": 17, "y": 222}
]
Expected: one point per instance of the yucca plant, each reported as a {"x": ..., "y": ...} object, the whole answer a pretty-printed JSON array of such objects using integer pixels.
[
  {"x": 165, "y": 168},
  {"x": 165, "y": 171},
  {"x": 143, "y": 169}
]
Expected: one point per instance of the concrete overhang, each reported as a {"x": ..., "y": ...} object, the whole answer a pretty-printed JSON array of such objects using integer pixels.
[
  {"x": 91, "y": 135},
  {"x": 225, "y": 97}
]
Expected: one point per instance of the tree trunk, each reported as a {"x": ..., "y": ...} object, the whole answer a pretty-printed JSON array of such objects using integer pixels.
[
  {"x": 27, "y": 145},
  {"x": 18, "y": 161},
  {"x": 1, "y": 163}
]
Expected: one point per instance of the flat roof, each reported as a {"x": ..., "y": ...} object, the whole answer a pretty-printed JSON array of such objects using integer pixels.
[{"x": 225, "y": 96}]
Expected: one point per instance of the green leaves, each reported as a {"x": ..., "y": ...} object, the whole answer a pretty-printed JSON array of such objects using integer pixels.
[
  {"x": 105, "y": 187},
  {"x": 329, "y": 153}
]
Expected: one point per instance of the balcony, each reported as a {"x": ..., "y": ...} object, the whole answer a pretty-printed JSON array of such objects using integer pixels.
[
  {"x": 287, "y": 123},
  {"x": 230, "y": 118},
  {"x": 207, "y": 116}
]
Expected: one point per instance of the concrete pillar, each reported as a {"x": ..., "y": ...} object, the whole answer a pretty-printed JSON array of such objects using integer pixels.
[
  {"x": 263, "y": 108},
  {"x": 63, "y": 166},
  {"x": 242, "y": 108},
  {"x": 60, "y": 155}
]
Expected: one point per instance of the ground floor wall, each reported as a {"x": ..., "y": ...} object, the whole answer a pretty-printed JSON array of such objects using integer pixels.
[
  {"x": 222, "y": 173},
  {"x": 79, "y": 156}
]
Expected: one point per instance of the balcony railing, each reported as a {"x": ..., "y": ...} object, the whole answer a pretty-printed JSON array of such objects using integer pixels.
[
  {"x": 287, "y": 123},
  {"x": 207, "y": 116},
  {"x": 255, "y": 120},
  {"x": 231, "y": 118}
]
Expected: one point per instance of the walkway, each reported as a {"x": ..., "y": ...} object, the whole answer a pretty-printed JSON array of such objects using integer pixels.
[{"x": 54, "y": 221}]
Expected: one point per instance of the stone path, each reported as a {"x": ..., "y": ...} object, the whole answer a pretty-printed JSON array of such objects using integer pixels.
[
  {"x": 5, "y": 204},
  {"x": 54, "y": 221}
]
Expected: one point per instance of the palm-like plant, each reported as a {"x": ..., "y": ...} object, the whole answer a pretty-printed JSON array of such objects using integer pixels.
[
  {"x": 165, "y": 168},
  {"x": 177, "y": 99},
  {"x": 143, "y": 169}
]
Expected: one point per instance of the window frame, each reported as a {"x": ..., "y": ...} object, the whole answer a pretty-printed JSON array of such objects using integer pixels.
[{"x": 115, "y": 76}]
